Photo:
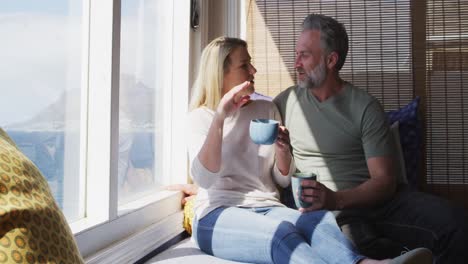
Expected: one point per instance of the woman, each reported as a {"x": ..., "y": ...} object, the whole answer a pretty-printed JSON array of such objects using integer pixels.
[{"x": 238, "y": 215}]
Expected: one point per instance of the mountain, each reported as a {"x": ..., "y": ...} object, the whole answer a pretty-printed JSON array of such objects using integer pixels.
[{"x": 136, "y": 109}]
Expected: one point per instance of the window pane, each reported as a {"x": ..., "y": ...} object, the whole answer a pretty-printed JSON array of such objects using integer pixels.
[
  {"x": 145, "y": 59},
  {"x": 40, "y": 76}
]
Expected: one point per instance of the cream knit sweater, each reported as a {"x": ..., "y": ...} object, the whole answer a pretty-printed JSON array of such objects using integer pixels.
[{"x": 248, "y": 176}]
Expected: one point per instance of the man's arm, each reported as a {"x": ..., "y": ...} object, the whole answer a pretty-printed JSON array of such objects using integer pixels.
[
  {"x": 378, "y": 146},
  {"x": 380, "y": 187}
]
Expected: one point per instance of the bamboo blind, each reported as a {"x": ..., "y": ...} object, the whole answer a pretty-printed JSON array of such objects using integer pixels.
[
  {"x": 447, "y": 89},
  {"x": 379, "y": 60},
  {"x": 398, "y": 49}
]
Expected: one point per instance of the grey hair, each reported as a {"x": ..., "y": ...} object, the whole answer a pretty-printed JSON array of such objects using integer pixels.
[{"x": 333, "y": 35}]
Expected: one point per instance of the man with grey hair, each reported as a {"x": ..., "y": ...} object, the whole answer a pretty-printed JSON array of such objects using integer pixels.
[{"x": 341, "y": 132}]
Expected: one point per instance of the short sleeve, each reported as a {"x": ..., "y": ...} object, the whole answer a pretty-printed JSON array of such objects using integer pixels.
[{"x": 376, "y": 135}]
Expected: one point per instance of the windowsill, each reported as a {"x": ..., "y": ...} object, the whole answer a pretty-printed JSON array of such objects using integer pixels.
[
  {"x": 82, "y": 225},
  {"x": 145, "y": 201},
  {"x": 140, "y": 244},
  {"x": 162, "y": 218}
]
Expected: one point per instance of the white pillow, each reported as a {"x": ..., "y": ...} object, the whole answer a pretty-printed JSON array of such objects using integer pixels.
[{"x": 400, "y": 161}]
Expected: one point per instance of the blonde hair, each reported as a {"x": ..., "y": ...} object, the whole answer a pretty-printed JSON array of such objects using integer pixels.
[{"x": 214, "y": 63}]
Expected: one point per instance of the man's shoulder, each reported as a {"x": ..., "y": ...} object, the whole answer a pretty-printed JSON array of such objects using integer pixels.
[
  {"x": 360, "y": 96},
  {"x": 357, "y": 91},
  {"x": 285, "y": 94},
  {"x": 288, "y": 96}
]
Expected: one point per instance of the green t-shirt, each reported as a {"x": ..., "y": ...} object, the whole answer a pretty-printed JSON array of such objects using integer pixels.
[{"x": 334, "y": 138}]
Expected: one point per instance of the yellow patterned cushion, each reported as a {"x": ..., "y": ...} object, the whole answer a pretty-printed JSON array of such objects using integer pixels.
[
  {"x": 32, "y": 227},
  {"x": 188, "y": 215}
]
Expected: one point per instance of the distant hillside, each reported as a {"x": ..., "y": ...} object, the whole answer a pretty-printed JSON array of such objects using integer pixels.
[
  {"x": 136, "y": 109},
  {"x": 137, "y": 104}
]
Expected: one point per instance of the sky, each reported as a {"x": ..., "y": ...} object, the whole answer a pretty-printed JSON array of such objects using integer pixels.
[
  {"x": 41, "y": 57},
  {"x": 33, "y": 55},
  {"x": 48, "y": 6}
]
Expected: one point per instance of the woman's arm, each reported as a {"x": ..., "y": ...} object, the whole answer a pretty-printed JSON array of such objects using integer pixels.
[{"x": 210, "y": 153}]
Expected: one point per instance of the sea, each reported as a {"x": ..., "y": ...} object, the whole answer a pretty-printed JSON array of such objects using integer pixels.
[{"x": 46, "y": 150}]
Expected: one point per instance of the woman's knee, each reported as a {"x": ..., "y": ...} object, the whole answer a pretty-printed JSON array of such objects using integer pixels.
[
  {"x": 285, "y": 240},
  {"x": 284, "y": 230}
]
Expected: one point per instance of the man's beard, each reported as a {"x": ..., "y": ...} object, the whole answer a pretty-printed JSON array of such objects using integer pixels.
[{"x": 314, "y": 78}]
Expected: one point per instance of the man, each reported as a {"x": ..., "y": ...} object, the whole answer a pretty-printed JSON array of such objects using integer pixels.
[{"x": 341, "y": 133}]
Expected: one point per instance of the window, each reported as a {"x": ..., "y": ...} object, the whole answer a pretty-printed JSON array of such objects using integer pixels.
[
  {"x": 41, "y": 80},
  {"x": 144, "y": 46},
  {"x": 97, "y": 95}
]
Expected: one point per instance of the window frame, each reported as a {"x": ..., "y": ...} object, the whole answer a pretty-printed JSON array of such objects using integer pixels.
[{"x": 104, "y": 236}]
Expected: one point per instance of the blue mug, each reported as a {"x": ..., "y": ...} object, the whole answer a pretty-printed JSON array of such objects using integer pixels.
[
  {"x": 263, "y": 131},
  {"x": 297, "y": 189}
]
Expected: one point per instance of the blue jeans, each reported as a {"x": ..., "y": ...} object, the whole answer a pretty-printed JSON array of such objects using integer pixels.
[{"x": 273, "y": 235}]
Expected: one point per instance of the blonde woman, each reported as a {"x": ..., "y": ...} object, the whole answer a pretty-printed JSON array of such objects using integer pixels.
[{"x": 238, "y": 214}]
